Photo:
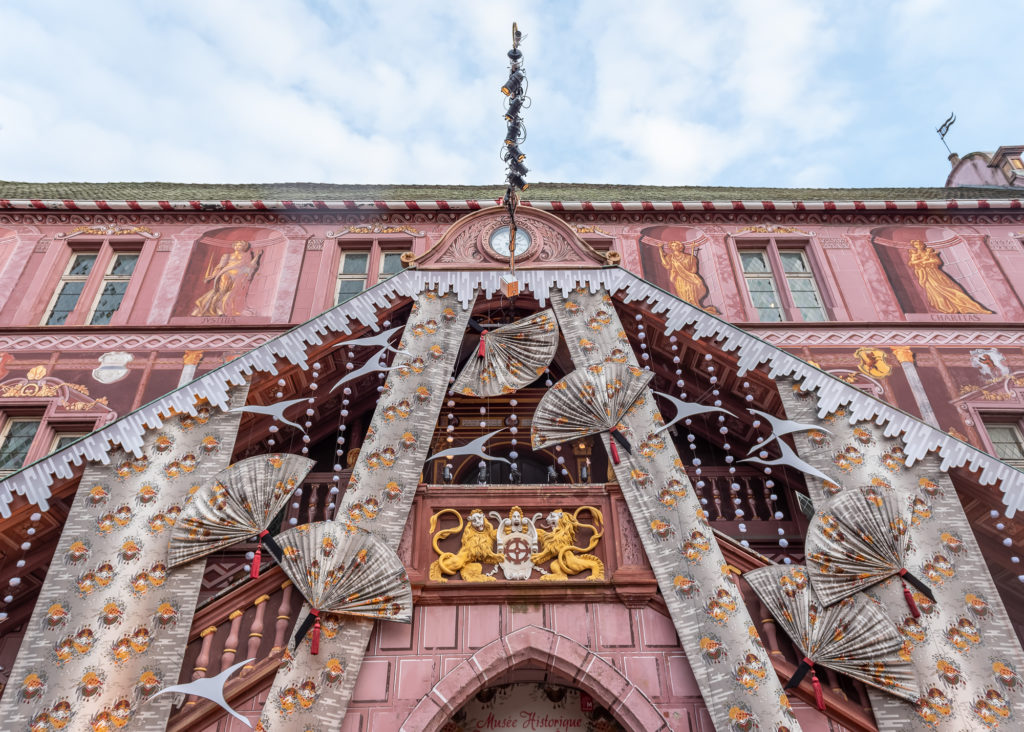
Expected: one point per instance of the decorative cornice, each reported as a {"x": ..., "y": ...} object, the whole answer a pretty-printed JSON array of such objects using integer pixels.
[
  {"x": 362, "y": 311},
  {"x": 156, "y": 341},
  {"x": 846, "y": 334},
  {"x": 474, "y": 204}
]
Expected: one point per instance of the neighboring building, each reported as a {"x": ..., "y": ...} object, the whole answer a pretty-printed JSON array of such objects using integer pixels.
[{"x": 122, "y": 302}]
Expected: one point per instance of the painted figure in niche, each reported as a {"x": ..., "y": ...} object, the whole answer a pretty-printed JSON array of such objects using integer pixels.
[
  {"x": 231, "y": 278},
  {"x": 684, "y": 271},
  {"x": 944, "y": 294}
]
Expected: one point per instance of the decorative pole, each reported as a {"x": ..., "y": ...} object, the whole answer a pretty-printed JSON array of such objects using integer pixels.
[{"x": 515, "y": 133}]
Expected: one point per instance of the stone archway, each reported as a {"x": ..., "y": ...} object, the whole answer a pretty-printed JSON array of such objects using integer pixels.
[{"x": 564, "y": 657}]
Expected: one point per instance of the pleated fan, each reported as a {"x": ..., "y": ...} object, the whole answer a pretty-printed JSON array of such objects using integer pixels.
[
  {"x": 241, "y": 501},
  {"x": 509, "y": 357},
  {"x": 588, "y": 401},
  {"x": 854, "y": 636},
  {"x": 342, "y": 572},
  {"x": 858, "y": 539}
]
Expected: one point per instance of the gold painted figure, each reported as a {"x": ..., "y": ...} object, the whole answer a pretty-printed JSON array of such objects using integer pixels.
[
  {"x": 477, "y": 547},
  {"x": 234, "y": 272},
  {"x": 559, "y": 545},
  {"x": 944, "y": 293},
  {"x": 683, "y": 270}
]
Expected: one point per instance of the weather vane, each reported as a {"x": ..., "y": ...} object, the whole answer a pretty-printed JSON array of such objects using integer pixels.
[
  {"x": 515, "y": 134},
  {"x": 944, "y": 128}
]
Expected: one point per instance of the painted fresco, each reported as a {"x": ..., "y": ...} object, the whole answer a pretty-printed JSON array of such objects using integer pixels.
[
  {"x": 670, "y": 259},
  {"x": 229, "y": 274},
  {"x": 532, "y": 707},
  {"x": 931, "y": 271}
]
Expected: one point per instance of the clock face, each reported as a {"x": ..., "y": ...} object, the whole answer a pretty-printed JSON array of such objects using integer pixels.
[{"x": 500, "y": 244}]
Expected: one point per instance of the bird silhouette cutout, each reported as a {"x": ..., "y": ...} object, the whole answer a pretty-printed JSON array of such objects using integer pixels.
[
  {"x": 211, "y": 688},
  {"x": 686, "y": 409},
  {"x": 381, "y": 340},
  {"x": 274, "y": 410},
  {"x": 475, "y": 447},
  {"x": 781, "y": 427},
  {"x": 376, "y": 363},
  {"x": 790, "y": 458}
]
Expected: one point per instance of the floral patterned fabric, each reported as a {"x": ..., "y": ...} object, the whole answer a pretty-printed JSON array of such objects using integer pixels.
[
  {"x": 587, "y": 401},
  {"x": 514, "y": 355},
  {"x": 111, "y": 625},
  {"x": 338, "y": 571},
  {"x": 238, "y": 503},
  {"x": 859, "y": 538},
  {"x": 853, "y": 636},
  {"x": 731, "y": 666},
  {"x": 964, "y": 649}
]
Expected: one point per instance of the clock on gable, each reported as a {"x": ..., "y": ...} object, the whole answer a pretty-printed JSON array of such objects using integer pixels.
[{"x": 499, "y": 241}]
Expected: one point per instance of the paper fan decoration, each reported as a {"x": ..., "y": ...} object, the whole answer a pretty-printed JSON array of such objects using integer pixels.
[
  {"x": 858, "y": 539},
  {"x": 854, "y": 636},
  {"x": 240, "y": 501},
  {"x": 338, "y": 571},
  {"x": 509, "y": 357},
  {"x": 588, "y": 401}
]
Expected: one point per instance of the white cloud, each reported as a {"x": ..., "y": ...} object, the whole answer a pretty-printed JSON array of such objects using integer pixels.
[{"x": 748, "y": 93}]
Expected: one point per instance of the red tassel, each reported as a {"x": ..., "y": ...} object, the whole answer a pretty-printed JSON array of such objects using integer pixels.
[
  {"x": 254, "y": 571},
  {"x": 909, "y": 597},
  {"x": 482, "y": 348},
  {"x": 315, "y": 643},
  {"x": 614, "y": 449},
  {"x": 819, "y": 698},
  {"x": 910, "y": 601}
]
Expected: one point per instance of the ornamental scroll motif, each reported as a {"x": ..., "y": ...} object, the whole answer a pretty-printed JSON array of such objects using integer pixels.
[{"x": 518, "y": 546}]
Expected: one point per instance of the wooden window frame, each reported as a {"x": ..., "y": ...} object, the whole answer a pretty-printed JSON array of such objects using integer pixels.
[
  {"x": 105, "y": 250},
  {"x": 772, "y": 245},
  {"x": 376, "y": 246}
]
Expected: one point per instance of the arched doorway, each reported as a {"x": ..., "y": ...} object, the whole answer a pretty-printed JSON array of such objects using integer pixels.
[
  {"x": 534, "y": 655},
  {"x": 532, "y": 705}
]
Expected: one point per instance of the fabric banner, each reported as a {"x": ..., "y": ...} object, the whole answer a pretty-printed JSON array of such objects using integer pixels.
[
  {"x": 963, "y": 647},
  {"x": 112, "y": 622},
  {"x": 378, "y": 499},
  {"x": 732, "y": 668}
]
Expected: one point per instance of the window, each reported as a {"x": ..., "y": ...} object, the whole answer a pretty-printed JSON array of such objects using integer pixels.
[
  {"x": 365, "y": 263},
  {"x": 70, "y": 288},
  {"x": 15, "y": 441},
  {"x": 94, "y": 285},
  {"x": 115, "y": 284},
  {"x": 63, "y": 439},
  {"x": 781, "y": 283},
  {"x": 352, "y": 275},
  {"x": 390, "y": 265},
  {"x": 1007, "y": 440}
]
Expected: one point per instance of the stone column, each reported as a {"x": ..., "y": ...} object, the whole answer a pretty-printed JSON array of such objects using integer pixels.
[{"x": 906, "y": 358}]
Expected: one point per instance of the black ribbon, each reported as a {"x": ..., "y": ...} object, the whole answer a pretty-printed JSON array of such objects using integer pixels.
[
  {"x": 475, "y": 325},
  {"x": 925, "y": 589},
  {"x": 621, "y": 439},
  {"x": 798, "y": 675},
  {"x": 304, "y": 628},
  {"x": 273, "y": 548}
]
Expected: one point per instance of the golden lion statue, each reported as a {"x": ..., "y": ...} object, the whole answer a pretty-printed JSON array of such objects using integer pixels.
[
  {"x": 477, "y": 546},
  {"x": 559, "y": 545}
]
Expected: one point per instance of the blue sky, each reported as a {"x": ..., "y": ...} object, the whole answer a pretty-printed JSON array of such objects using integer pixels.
[{"x": 780, "y": 93}]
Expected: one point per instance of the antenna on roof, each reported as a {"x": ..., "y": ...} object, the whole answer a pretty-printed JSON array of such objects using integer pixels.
[{"x": 515, "y": 134}]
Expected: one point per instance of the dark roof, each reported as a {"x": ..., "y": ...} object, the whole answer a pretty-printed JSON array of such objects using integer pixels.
[{"x": 536, "y": 192}]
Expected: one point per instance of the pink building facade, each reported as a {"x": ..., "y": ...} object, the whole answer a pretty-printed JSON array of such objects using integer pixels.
[{"x": 118, "y": 295}]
